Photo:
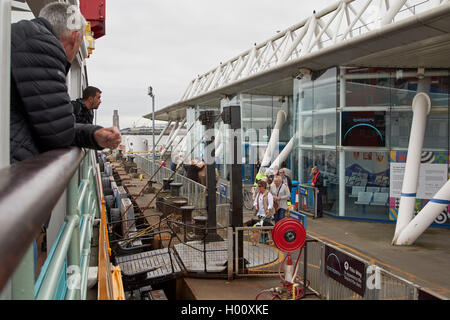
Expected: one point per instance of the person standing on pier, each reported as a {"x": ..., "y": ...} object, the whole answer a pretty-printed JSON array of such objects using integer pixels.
[
  {"x": 317, "y": 182},
  {"x": 280, "y": 193}
]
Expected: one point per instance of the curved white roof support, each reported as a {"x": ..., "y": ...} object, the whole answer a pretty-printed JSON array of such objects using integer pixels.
[{"x": 343, "y": 21}]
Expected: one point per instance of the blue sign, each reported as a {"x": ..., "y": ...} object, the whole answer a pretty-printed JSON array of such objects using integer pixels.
[{"x": 303, "y": 190}]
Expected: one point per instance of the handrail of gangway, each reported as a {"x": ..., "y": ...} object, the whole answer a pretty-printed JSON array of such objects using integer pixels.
[{"x": 29, "y": 190}]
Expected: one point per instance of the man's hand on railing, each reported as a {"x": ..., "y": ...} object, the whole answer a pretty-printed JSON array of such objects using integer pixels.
[{"x": 108, "y": 137}]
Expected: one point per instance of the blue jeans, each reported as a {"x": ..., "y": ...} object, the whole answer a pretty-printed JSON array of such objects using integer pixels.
[{"x": 280, "y": 214}]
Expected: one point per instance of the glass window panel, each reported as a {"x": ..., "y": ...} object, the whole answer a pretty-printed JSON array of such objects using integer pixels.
[
  {"x": 325, "y": 129},
  {"x": 326, "y": 161},
  {"x": 368, "y": 87},
  {"x": 325, "y": 90},
  {"x": 366, "y": 173}
]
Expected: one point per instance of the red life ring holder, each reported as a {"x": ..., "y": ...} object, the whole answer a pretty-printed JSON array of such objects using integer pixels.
[{"x": 289, "y": 235}]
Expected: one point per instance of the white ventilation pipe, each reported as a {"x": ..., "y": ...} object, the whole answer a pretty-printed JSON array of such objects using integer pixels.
[
  {"x": 274, "y": 139},
  {"x": 169, "y": 143},
  {"x": 283, "y": 154},
  {"x": 163, "y": 132},
  {"x": 172, "y": 132},
  {"x": 425, "y": 217},
  {"x": 421, "y": 106}
]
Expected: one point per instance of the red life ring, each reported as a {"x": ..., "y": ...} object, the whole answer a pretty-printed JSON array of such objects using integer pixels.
[{"x": 289, "y": 235}]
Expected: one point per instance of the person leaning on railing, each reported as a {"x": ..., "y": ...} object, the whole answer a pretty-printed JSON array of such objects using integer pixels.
[{"x": 41, "y": 115}]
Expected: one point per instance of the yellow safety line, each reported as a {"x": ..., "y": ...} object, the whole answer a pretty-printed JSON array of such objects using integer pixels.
[
  {"x": 106, "y": 225},
  {"x": 118, "y": 291},
  {"x": 279, "y": 260}
]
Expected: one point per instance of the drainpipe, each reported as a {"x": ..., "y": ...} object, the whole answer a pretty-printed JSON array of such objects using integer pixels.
[
  {"x": 274, "y": 138},
  {"x": 421, "y": 106},
  {"x": 425, "y": 217}
]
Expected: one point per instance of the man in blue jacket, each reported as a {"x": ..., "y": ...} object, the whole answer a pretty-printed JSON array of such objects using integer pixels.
[{"x": 41, "y": 115}]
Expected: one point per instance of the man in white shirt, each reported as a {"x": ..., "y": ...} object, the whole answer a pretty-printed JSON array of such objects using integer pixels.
[{"x": 280, "y": 193}]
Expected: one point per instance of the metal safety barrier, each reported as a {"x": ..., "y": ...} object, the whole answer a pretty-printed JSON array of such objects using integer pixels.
[
  {"x": 29, "y": 192},
  {"x": 263, "y": 259},
  {"x": 193, "y": 191}
]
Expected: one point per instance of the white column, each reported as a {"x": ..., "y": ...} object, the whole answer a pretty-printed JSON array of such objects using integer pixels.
[
  {"x": 425, "y": 217},
  {"x": 5, "y": 61},
  {"x": 421, "y": 107},
  {"x": 274, "y": 138}
]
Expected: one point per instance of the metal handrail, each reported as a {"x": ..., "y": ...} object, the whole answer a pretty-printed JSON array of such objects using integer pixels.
[{"x": 26, "y": 203}]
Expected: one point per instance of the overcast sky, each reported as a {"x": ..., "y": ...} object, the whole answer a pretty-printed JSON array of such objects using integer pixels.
[{"x": 167, "y": 43}]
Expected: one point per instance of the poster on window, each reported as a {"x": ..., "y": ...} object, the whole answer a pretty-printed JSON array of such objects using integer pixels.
[{"x": 432, "y": 177}]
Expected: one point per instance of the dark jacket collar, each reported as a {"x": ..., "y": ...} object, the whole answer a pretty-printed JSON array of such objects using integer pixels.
[{"x": 47, "y": 25}]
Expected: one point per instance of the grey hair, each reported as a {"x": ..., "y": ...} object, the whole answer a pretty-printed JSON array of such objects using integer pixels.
[{"x": 64, "y": 18}]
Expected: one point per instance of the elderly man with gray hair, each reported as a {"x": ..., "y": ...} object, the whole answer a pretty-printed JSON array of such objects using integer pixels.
[
  {"x": 280, "y": 193},
  {"x": 41, "y": 116}
]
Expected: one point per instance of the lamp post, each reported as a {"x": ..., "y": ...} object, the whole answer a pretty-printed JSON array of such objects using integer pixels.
[{"x": 150, "y": 93}]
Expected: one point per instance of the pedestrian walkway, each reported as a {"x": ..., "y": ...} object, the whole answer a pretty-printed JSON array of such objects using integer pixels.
[{"x": 425, "y": 263}]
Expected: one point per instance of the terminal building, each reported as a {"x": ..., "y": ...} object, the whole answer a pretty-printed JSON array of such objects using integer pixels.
[{"x": 345, "y": 78}]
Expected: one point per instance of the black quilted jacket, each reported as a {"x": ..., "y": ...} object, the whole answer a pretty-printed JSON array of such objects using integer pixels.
[
  {"x": 81, "y": 112},
  {"x": 41, "y": 113}
]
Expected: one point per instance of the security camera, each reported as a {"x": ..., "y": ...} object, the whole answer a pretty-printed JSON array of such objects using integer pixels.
[{"x": 304, "y": 73}]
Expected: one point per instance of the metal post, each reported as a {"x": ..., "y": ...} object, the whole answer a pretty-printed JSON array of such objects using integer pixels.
[
  {"x": 342, "y": 103},
  {"x": 73, "y": 254},
  {"x": 150, "y": 93},
  {"x": 208, "y": 119},
  {"x": 23, "y": 278},
  {"x": 5, "y": 60},
  {"x": 232, "y": 116},
  {"x": 5, "y": 72}
]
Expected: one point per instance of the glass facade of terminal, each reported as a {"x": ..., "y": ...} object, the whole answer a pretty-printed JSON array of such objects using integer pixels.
[
  {"x": 354, "y": 124},
  {"x": 258, "y": 117}
]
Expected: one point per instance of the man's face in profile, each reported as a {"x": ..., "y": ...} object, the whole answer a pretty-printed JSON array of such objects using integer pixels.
[{"x": 97, "y": 100}]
